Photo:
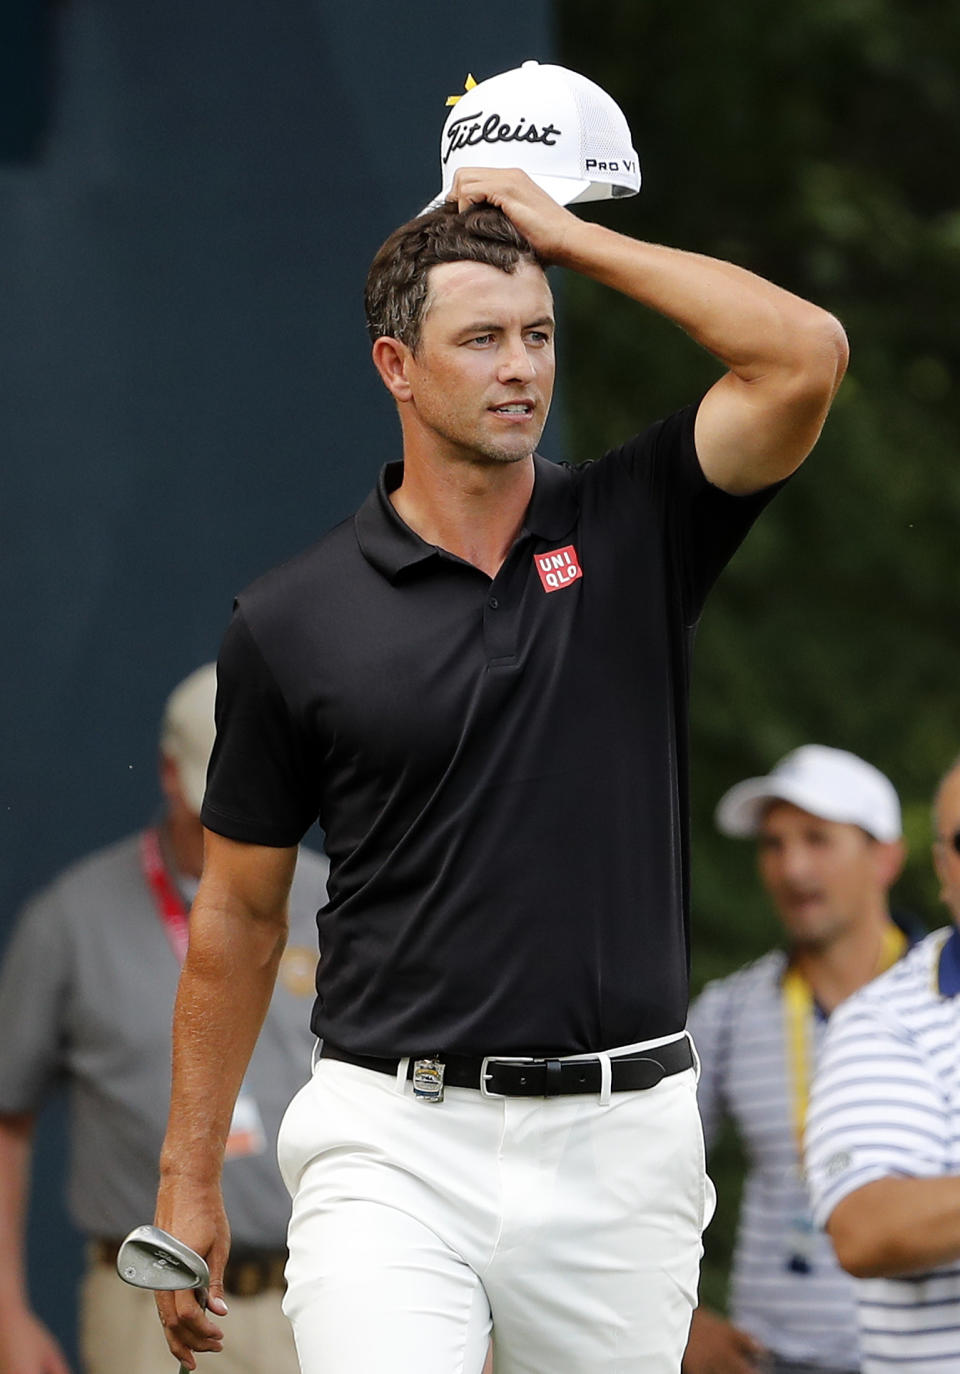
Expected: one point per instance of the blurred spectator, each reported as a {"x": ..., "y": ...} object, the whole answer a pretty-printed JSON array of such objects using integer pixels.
[
  {"x": 829, "y": 846},
  {"x": 883, "y": 1142},
  {"x": 86, "y": 997}
]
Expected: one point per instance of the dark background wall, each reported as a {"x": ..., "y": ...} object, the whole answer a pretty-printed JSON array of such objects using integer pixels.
[{"x": 190, "y": 196}]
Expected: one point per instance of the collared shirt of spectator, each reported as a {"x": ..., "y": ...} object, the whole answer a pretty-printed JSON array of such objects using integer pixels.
[
  {"x": 827, "y": 826},
  {"x": 883, "y": 1139}
]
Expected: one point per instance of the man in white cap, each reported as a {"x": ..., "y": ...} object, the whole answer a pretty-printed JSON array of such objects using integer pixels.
[
  {"x": 86, "y": 998},
  {"x": 881, "y": 1143},
  {"x": 479, "y": 684},
  {"x": 828, "y": 832}
]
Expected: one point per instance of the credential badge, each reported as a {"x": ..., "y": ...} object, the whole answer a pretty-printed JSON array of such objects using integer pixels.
[{"x": 428, "y": 1080}]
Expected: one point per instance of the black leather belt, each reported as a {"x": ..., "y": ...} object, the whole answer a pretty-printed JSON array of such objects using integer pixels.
[{"x": 508, "y": 1076}]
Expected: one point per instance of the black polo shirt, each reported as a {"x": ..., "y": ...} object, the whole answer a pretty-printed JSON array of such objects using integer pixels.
[{"x": 500, "y": 766}]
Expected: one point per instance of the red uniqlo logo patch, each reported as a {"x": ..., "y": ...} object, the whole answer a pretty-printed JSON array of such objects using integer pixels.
[{"x": 558, "y": 568}]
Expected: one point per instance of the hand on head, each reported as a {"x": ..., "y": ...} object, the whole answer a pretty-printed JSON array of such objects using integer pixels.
[{"x": 545, "y": 224}]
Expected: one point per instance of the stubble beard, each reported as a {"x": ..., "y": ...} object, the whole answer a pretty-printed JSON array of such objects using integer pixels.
[
  {"x": 491, "y": 455},
  {"x": 484, "y": 451},
  {"x": 818, "y": 940}
]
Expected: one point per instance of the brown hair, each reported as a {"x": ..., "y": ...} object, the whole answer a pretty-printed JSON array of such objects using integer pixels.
[{"x": 396, "y": 292}]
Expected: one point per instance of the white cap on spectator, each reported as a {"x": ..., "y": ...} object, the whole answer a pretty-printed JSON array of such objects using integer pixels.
[
  {"x": 559, "y": 127},
  {"x": 830, "y": 783}
]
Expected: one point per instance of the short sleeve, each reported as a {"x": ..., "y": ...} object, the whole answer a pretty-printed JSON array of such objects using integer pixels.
[
  {"x": 875, "y": 1110},
  {"x": 33, "y": 990},
  {"x": 262, "y": 784},
  {"x": 704, "y": 525},
  {"x": 709, "y": 1025}
]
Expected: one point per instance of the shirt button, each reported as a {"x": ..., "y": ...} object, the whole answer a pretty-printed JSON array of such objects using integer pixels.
[{"x": 493, "y": 603}]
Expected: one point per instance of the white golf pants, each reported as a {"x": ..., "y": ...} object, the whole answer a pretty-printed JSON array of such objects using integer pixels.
[{"x": 570, "y": 1228}]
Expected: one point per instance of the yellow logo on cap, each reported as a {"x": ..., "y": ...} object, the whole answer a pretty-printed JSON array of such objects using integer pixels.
[{"x": 468, "y": 85}]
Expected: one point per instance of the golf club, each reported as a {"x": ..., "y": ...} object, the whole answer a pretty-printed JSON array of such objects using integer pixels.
[{"x": 151, "y": 1258}]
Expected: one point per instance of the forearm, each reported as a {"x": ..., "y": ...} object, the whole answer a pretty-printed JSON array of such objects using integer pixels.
[
  {"x": 897, "y": 1226},
  {"x": 222, "y": 999},
  {"x": 751, "y": 325},
  {"x": 16, "y": 1142},
  {"x": 238, "y": 928}
]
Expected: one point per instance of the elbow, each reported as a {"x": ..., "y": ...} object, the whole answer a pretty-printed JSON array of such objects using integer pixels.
[
  {"x": 810, "y": 378},
  {"x": 821, "y": 358},
  {"x": 859, "y": 1260},
  {"x": 863, "y": 1251},
  {"x": 835, "y": 347}
]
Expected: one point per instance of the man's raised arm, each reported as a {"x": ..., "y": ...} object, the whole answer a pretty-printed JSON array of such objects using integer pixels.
[
  {"x": 785, "y": 357},
  {"x": 238, "y": 928}
]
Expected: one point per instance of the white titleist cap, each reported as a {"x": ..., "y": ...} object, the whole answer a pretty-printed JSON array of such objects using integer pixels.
[
  {"x": 561, "y": 129},
  {"x": 829, "y": 783},
  {"x": 188, "y": 731}
]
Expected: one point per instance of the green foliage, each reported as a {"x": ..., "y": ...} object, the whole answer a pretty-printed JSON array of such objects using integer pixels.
[{"x": 817, "y": 145}]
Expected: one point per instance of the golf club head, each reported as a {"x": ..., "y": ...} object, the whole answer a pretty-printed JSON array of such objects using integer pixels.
[{"x": 151, "y": 1258}]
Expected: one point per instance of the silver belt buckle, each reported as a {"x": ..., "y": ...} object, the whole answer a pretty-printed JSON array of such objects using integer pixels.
[
  {"x": 486, "y": 1075},
  {"x": 427, "y": 1079}
]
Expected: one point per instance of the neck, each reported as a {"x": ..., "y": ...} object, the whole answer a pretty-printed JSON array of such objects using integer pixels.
[
  {"x": 839, "y": 966},
  {"x": 181, "y": 837},
  {"x": 473, "y": 509}
]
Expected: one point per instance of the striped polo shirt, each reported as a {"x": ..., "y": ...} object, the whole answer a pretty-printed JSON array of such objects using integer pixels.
[
  {"x": 886, "y": 1102},
  {"x": 786, "y": 1288}
]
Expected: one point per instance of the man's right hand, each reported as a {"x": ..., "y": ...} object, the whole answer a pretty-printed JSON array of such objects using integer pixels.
[
  {"x": 27, "y": 1347},
  {"x": 196, "y": 1217},
  {"x": 716, "y": 1346}
]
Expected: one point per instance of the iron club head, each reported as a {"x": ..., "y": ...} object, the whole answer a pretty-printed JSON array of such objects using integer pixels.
[{"x": 151, "y": 1258}]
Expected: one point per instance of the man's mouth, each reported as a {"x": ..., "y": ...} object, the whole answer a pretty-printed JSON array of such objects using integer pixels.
[
  {"x": 802, "y": 899},
  {"x": 519, "y": 408}
]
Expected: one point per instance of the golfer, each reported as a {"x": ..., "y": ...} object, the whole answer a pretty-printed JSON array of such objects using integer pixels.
[{"x": 478, "y": 684}]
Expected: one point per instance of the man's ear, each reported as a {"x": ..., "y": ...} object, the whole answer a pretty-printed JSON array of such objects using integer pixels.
[
  {"x": 169, "y": 778},
  {"x": 391, "y": 359},
  {"x": 940, "y": 868},
  {"x": 891, "y": 855}
]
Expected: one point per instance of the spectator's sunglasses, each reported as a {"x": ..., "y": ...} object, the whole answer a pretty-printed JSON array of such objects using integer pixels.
[{"x": 952, "y": 841}]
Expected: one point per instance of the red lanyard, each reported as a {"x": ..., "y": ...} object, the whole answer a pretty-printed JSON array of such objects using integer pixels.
[{"x": 169, "y": 903}]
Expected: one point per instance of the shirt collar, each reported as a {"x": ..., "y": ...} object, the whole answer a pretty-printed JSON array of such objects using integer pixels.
[
  {"x": 553, "y": 507},
  {"x": 385, "y": 540},
  {"x": 948, "y": 968},
  {"x": 391, "y": 545}
]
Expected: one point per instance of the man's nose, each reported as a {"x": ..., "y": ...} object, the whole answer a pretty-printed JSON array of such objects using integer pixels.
[
  {"x": 794, "y": 861},
  {"x": 516, "y": 365}
]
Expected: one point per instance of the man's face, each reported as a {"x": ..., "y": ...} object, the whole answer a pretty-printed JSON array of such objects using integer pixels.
[
  {"x": 482, "y": 376},
  {"x": 945, "y": 857},
  {"x": 822, "y": 876}
]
